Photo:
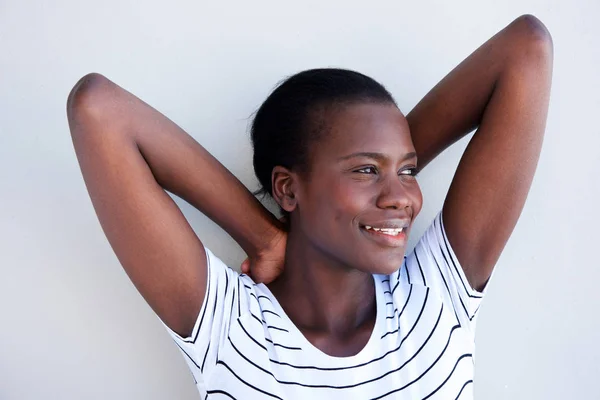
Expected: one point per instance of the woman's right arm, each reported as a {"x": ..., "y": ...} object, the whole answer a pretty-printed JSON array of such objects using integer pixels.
[{"x": 129, "y": 154}]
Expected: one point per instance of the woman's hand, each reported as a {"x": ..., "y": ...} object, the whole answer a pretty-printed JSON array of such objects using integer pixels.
[{"x": 267, "y": 265}]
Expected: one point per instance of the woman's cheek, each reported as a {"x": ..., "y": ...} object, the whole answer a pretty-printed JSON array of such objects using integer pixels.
[{"x": 417, "y": 201}]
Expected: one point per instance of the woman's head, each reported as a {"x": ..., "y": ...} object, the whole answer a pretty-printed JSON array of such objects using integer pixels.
[{"x": 333, "y": 149}]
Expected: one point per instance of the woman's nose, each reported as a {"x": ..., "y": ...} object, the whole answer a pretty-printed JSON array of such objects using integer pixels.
[{"x": 393, "y": 195}]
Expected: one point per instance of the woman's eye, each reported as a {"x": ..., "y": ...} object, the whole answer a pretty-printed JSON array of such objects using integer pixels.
[
  {"x": 409, "y": 172},
  {"x": 367, "y": 170}
]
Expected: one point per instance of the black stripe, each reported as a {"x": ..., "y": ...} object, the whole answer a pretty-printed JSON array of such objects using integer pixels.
[
  {"x": 205, "y": 305},
  {"x": 395, "y": 286},
  {"x": 277, "y": 328},
  {"x": 420, "y": 268},
  {"x": 232, "y": 299},
  {"x": 230, "y": 316},
  {"x": 398, "y": 275},
  {"x": 475, "y": 312},
  {"x": 209, "y": 342},
  {"x": 449, "y": 376},
  {"x": 254, "y": 340},
  {"x": 445, "y": 284},
  {"x": 420, "y": 348},
  {"x": 267, "y": 371},
  {"x": 361, "y": 383},
  {"x": 419, "y": 317},
  {"x": 257, "y": 298},
  {"x": 250, "y": 361},
  {"x": 238, "y": 298},
  {"x": 263, "y": 322},
  {"x": 428, "y": 369},
  {"x": 260, "y": 321},
  {"x": 226, "y": 283},
  {"x": 186, "y": 353},
  {"x": 267, "y": 339},
  {"x": 219, "y": 392},
  {"x": 446, "y": 243},
  {"x": 447, "y": 263},
  {"x": 208, "y": 298},
  {"x": 272, "y": 375},
  {"x": 270, "y": 312},
  {"x": 463, "y": 388},
  {"x": 406, "y": 302},
  {"x": 282, "y": 346},
  {"x": 246, "y": 383},
  {"x": 343, "y": 368},
  {"x": 260, "y": 297}
]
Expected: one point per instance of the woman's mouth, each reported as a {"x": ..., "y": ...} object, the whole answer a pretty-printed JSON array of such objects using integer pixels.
[
  {"x": 386, "y": 236},
  {"x": 386, "y": 231}
]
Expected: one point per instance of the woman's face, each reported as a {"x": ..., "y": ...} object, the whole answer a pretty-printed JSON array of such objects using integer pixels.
[{"x": 358, "y": 200}]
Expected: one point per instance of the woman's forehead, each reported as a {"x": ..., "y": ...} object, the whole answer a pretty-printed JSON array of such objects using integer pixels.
[{"x": 365, "y": 127}]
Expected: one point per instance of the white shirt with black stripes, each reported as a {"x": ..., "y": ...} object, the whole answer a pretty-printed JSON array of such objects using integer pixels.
[{"x": 243, "y": 345}]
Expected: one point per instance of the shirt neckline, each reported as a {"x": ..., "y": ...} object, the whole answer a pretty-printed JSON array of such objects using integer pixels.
[{"x": 312, "y": 351}]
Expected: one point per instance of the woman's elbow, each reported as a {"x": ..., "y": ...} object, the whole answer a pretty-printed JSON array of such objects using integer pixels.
[
  {"x": 88, "y": 96},
  {"x": 535, "y": 36}
]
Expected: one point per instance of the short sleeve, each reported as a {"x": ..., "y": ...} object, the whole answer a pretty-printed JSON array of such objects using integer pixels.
[
  {"x": 432, "y": 263},
  {"x": 221, "y": 305}
]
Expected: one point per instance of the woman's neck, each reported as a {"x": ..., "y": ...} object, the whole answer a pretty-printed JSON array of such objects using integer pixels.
[{"x": 321, "y": 295}]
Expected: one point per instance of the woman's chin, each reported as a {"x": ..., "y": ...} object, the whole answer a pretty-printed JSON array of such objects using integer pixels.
[{"x": 384, "y": 267}]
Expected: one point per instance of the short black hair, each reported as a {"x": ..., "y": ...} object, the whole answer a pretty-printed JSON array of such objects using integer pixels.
[{"x": 289, "y": 119}]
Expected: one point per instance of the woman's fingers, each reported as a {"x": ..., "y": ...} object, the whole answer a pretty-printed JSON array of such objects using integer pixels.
[{"x": 245, "y": 267}]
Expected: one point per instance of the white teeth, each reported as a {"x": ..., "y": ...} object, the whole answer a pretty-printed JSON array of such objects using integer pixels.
[{"x": 387, "y": 231}]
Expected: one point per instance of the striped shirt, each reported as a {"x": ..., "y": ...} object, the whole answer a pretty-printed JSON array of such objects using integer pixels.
[{"x": 244, "y": 346}]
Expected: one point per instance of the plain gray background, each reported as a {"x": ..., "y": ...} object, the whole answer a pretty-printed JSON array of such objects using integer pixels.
[{"x": 72, "y": 326}]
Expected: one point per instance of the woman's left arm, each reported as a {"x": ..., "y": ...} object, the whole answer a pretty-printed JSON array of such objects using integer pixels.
[{"x": 503, "y": 90}]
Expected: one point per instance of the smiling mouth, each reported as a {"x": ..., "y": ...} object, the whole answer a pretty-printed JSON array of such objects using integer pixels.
[{"x": 385, "y": 231}]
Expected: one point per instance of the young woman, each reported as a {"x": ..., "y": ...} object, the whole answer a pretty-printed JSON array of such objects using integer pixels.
[{"x": 330, "y": 305}]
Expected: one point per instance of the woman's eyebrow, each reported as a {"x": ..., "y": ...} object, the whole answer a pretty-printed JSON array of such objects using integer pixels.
[{"x": 376, "y": 156}]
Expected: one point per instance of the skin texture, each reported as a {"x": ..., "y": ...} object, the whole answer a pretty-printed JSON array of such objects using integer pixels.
[{"x": 320, "y": 272}]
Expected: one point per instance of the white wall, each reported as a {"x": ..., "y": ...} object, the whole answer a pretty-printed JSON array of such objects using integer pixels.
[{"x": 72, "y": 326}]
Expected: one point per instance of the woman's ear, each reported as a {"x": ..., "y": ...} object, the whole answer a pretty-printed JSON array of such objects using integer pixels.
[{"x": 283, "y": 183}]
